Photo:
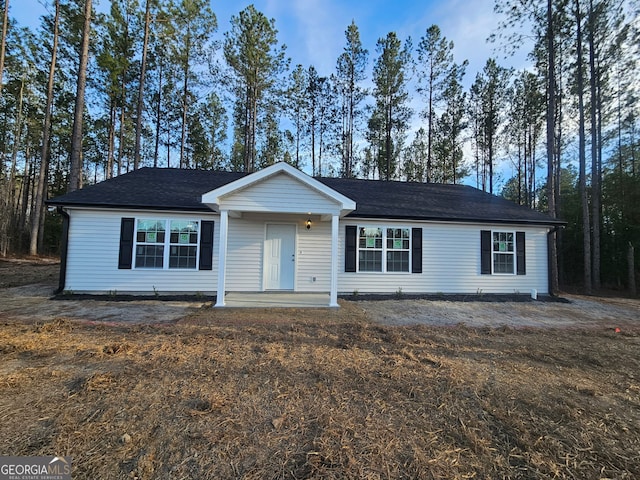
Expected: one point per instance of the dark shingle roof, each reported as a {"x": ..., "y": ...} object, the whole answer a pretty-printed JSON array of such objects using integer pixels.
[
  {"x": 175, "y": 189},
  {"x": 153, "y": 188}
]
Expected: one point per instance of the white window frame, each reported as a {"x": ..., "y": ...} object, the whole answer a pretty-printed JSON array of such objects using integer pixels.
[
  {"x": 384, "y": 249},
  {"x": 167, "y": 243},
  {"x": 513, "y": 253}
]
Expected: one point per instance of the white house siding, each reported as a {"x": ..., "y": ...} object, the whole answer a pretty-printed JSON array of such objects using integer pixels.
[
  {"x": 92, "y": 260},
  {"x": 245, "y": 252},
  {"x": 451, "y": 258},
  {"x": 451, "y": 262},
  {"x": 279, "y": 193}
]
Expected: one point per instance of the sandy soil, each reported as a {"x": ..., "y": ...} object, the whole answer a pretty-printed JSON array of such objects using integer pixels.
[
  {"x": 579, "y": 312},
  {"x": 34, "y": 304}
]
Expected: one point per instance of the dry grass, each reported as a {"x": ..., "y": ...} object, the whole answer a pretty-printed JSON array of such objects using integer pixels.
[
  {"x": 269, "y": 394},
  {"x": 335, "y": 397}
]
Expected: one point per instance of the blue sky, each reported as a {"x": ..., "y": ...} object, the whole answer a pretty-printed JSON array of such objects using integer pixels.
[{"x": 313, "y": 30}]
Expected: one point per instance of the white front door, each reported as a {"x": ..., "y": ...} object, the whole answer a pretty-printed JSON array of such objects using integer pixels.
[{"x": 280, "y": 257}]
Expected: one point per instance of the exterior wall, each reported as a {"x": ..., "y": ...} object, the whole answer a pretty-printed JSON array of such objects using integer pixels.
[
  {"x": 280, "y": 193},
  {"x": 451, "y": 258},
  {"x": 92, "y": 258},
  {"x": 245, "y": 252},
  {"x": 450, "y": 262}
]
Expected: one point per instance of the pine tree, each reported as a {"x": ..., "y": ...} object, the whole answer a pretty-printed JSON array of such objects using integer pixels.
[
  {"x": 141, "y": 82},
  {"x": 252, "y": 52},
  {"x": 435, "y": 59},
  {"x": 488, "y": 98},
  {"x": 350, "y": 73},
  {"x": 298, "y": 110},
  {"x": 391, "y": 111},
  {"x": 75, "y": 173},
  {"x": 41, "y": 187},
  {"x": 194, "y": 25},
  {"x": 447, "y": 143}
]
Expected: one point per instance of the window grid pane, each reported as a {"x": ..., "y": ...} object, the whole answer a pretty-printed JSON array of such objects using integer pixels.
[
  {"x": 503, "y": 241},
  {"x": 398, "y": 238},
  {"x": 149, "y": 256},
  {"x": 502, "y": 263},
  {"x": 370, "y": 238},
  {"x": 397, "y": 261},
  {"x": 370, "y": 261}
]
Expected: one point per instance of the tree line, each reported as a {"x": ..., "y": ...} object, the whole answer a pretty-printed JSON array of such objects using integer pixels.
[{"x": 89, "y": 96}]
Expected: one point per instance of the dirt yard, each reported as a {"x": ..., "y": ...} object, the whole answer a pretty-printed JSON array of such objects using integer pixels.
[{"x": 359, "y": 392}]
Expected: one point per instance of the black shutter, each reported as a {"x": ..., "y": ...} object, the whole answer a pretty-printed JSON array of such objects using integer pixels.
[
  {"x": 206, "y": 245},
  {"x": 520, "y": 254},
  {"x": 125, "y": 255},
  {"x": 350, "y": 236},
  {"x": 485, "y": 252},
  {"x": 416, "y": 250}
]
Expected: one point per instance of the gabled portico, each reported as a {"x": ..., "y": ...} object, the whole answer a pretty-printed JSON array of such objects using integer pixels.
[{"x": 271, "y": 199}]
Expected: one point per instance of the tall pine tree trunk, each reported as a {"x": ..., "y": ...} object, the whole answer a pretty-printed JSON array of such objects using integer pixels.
[
  {"x": 143, "y": 70},
  {"x": 551, "y": 116},
  {"x": 156, "y": 150},
  {"x": 387, "y": 142},
  {"x": 111, "y": 138},
  {"x": 430, "y": 127},
  {"x": 586, "y": 229},
  {"x": 121, "y": 134},
  {"x": 3, "y": 43},
  {"x": 595, "y": 170},
  {"x": 13, "y": 200},
  {"x": 184, "y": 163},
  {"x": 41, "y": 185},
  {"x": 75, "y": 172}
]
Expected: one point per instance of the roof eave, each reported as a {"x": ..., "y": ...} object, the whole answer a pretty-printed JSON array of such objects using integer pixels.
[
  {"x": 550, "y": 222},
  {"x": 113, "y": 206}
]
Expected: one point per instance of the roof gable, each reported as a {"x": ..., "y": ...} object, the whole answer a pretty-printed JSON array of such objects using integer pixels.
[{"x": 272, "y": 190}]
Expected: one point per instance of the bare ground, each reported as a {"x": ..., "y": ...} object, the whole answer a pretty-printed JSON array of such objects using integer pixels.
[
  {"x": 274, "y": 393},
  {"x": 31, "y": 284}
]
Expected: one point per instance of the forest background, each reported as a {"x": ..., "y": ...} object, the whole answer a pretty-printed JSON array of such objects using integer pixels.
[{"x": 92, "y": 93}]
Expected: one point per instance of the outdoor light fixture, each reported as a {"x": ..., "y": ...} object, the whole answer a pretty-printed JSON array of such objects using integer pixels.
[{"x": 308, "y": 224}]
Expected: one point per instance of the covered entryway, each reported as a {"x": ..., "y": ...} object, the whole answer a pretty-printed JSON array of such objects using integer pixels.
[
  {"x": 280, "y": 257},
  {"x": 278, "y": 231}
]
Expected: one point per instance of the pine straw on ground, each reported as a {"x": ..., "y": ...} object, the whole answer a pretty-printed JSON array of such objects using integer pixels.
[{"x": 331, "y": 398}]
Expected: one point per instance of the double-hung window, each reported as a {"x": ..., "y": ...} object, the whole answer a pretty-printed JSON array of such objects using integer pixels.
[
  {"x": 384, "y": 249},
  {"x": 503, "y": 251},
  {"x": 155, "y": 249}
]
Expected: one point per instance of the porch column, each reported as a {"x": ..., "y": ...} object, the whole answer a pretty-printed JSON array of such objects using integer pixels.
[
  {"x": 222, "y": 256},
  {"x": 333, "y": 295}
]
